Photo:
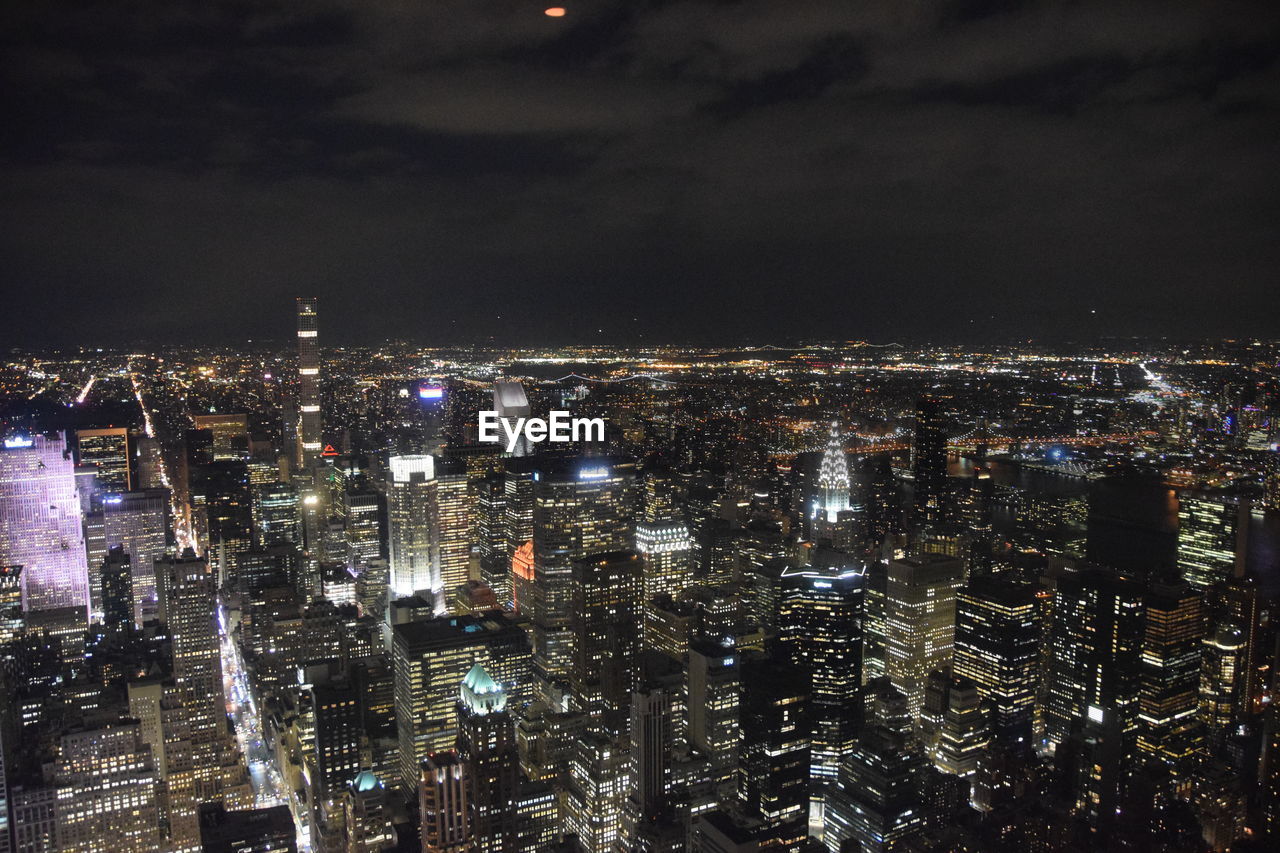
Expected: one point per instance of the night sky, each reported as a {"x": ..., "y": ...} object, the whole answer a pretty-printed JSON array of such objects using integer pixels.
[{"x": 453, "y": 170}]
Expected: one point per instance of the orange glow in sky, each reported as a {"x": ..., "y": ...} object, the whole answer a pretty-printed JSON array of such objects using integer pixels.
[{"x": 555, "y": 12}]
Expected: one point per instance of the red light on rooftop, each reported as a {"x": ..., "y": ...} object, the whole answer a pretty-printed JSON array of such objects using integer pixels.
[{"x": 555, "y": 12}]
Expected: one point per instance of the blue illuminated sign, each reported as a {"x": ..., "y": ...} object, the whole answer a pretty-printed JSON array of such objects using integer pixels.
[{"x": 430, "y": 392}]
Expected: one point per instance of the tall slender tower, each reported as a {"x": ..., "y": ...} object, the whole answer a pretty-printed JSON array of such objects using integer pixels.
[{"x": 309, "y": 441}]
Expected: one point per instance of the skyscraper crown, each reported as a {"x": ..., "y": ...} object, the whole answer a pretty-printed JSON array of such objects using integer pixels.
[
  {"x": 833, "y": 477},
  {"x": 481, "y": 694}
]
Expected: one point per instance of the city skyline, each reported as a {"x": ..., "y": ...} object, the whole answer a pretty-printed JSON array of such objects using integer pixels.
[
  {"x": 640, "y": 426},
  {"x": 843, "y": 598}
]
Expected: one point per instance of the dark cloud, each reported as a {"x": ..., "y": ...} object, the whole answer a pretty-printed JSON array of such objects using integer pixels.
[{"x": 682, "y": 169}]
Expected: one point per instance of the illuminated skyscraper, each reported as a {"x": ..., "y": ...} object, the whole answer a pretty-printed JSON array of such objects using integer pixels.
[
  {"x": 876, "y": 800},
  {"x": 188, "y": 604},
  {"x": 366, "y": 816},
  {"x": 517, "y": 482},
  {"x": 108, "y": 451},
  {"x": 833, "y": 477},
  {"x": 832, "y": 515},
  {"x": 1222, "y": 681},
  {"x": 1238, "y": 601},
  {"x": 1207, "y": 529},
  {"x": 451, "y": 517},
  {"x": 597, "y": 788},
  {"x": 411, "y": 541},
  {"x": 920, "y": 618},
  {"x": 652, "y": 734},
  {"x": 997, "y": 647},
  {"x": 491, "y": 533},
  {"x": 361, "y": 528},
  {"x": 487, "y": 746},
  {"x": 40, "y": 526},
  {"x": 820, "y": 624},
  {"x": 431, "y": 658},
  {"x": 665, "y": 545},
  {"x": 581, "y": 506},
  {"x": 276, "y": 516},
  {"x": 310, "y": 426},
  {"x": 714, "y": 694},
  {"x": 1167, "y": 699},
  {"x": 1095, "y": 646},
  {"x": 138, "y": 523},
  {"x": 605, "y": 622},
  {"x": 963, "y": 732}
]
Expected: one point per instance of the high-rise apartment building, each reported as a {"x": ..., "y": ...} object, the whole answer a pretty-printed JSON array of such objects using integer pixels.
[{"x": 310, "y": 425}]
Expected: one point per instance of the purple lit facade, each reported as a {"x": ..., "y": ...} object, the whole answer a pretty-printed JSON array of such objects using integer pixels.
[{"x": 40, "y": 527}]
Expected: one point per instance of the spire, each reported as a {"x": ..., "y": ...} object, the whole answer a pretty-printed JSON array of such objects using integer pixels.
[{"x": 833, "y": 477}]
